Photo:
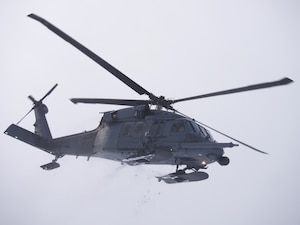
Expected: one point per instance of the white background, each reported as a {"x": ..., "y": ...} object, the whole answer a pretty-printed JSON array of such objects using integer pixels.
[{"x": 172, "y": 48}]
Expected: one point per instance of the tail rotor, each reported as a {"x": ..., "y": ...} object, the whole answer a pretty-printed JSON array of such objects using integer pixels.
[{"x": 38, "y": 103}]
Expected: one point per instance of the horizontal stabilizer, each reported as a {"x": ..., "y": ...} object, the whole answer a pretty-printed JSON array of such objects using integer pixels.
[{"x": 27, "y": 137}]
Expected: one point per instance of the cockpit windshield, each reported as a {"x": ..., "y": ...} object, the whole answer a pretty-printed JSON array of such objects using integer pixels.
[
  {"x": 201, "y": 130},
  {"x": 210, "y": 137}
]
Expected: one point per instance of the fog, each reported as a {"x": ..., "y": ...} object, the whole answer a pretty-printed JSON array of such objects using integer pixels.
[{"x": 172, "y": 48}]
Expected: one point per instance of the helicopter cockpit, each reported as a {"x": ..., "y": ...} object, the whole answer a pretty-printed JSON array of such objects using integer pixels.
[{"x": 191, "y": 127}]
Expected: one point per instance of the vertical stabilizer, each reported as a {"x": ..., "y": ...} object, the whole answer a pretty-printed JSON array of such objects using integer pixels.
[{"x": 41, "y": 126}]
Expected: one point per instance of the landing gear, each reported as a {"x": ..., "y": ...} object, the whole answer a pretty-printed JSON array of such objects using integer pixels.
[{"x": 52, "y": 165}]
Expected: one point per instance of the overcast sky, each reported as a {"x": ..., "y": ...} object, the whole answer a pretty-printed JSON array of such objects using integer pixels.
[{"x": 172, "y": 48}]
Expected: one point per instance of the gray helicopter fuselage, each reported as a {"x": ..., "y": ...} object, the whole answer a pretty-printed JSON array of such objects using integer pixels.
[{"x": 139, "y": 135}]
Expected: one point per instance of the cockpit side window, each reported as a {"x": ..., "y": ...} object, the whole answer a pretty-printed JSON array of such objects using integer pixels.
[{"x": 178, "y": 126}]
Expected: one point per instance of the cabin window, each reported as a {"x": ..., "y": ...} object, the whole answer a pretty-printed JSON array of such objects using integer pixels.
[
  {"x": 126, "y": 129},
  {"x": 139, "y": 129},
  {"x": 133, "y": 129},
  {"x": 156, "y": 128}
]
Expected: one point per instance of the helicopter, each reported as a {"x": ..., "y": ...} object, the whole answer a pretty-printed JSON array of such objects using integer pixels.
[{"x": 145, "y": 132}]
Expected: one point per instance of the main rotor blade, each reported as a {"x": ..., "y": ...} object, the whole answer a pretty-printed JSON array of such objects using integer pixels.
[
  {"x": 234, "y": 139},
  {"x": 127, "y": 102},
  {"x": 283, "y": 81},
  {"x": 93, "y": 56}
]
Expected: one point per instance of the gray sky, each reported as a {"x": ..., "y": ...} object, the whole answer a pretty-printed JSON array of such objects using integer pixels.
[{"x": 172, "y": 48}]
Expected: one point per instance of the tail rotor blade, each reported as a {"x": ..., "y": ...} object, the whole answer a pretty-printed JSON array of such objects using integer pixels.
[
  {"x": 24, "y": 116},
  {"x": 32, "y": 99},
  {"x": 35, "y": 102},
  {"x": 48, "y": 93}
]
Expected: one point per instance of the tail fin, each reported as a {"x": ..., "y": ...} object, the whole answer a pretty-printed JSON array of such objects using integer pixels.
[{"x": 41, "y": 127}]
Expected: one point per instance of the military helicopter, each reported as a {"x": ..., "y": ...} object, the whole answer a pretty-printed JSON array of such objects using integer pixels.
[{"x": 147, "y": 132}]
